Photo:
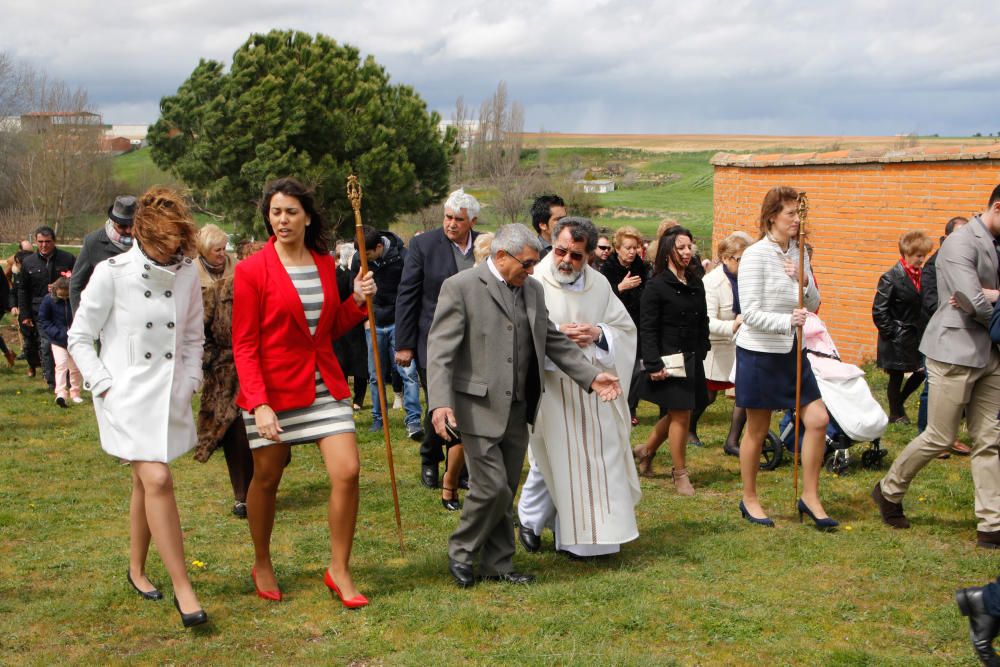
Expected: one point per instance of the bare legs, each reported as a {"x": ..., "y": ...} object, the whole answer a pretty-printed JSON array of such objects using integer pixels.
[
  {"x": 456, "y": 461},
  {"x": 672, "y": 426},
  {"x": 340, "y": 456},
  {"x": 815, "y": 420},
  {"x": 268, "y": 466},
  {"x": 153, "y": 513}
]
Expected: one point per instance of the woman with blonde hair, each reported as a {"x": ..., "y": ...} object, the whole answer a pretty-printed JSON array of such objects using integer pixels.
[
  {"x": 627, "y": 273},
  {"x": 724, "y": 320},
  {"x": 900, "y": 319},
  {"x": 765, "y": 353},
  {"x": 145, "y": 308},
  {"x": 214, "y": 263}
]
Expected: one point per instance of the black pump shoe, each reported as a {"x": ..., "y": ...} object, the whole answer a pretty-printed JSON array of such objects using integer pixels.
[
  {"x": 451, "y": 504},
  {"x": 821, "y": 524},
  {"x": 755, "y": 520},
  {"x": 147, "y": 595},
  {"x": 194, "y": 618}
]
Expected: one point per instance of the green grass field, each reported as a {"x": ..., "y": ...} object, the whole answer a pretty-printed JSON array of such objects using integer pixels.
[{"x": 699, "y": 587}]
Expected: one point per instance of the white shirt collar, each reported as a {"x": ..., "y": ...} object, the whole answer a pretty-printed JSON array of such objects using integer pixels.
[
  {"x": 493, "y": 269},
  {"x": 468, "y": 244}
]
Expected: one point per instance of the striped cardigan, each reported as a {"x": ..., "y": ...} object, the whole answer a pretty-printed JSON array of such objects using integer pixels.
[{"x": 768, "y": 296}]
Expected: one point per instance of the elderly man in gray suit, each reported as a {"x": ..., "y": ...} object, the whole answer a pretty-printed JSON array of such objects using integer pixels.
[
  {"x": 490, "y": 334},
  {"x": 963, "y": 371}
]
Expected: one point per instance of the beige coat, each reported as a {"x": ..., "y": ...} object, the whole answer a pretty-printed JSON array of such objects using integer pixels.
[{"x": 719, "y": 299}]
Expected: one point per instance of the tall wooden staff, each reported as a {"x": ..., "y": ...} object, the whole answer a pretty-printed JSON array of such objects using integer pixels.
[
  {"x": 803, "y": 213},
  {"x": 354, "y": 194}
]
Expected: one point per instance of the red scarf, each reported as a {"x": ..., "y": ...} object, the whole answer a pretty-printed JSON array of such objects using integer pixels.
[{"x": 912, "y": 271}]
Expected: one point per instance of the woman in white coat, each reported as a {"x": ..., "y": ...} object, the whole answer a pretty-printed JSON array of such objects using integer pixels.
[
  {"x": 145, "y": 308},
  {"x": 724, "y": 320}
]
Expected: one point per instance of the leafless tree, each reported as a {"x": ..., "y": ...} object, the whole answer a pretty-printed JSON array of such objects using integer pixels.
[{"x": 64, "y": 171}]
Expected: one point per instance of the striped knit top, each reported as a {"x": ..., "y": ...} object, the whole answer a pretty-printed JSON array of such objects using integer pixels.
[
  {"x": 768, "y": 295},
  {"x": 307, "y": 284}
]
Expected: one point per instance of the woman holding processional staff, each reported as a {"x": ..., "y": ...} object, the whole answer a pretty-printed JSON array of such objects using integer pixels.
[
  {"x": 286, "y": 315},
  {"x": 765, "y": 353}
]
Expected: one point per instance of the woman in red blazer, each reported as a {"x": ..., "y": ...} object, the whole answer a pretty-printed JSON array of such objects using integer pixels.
[{"x": 286, "y": 315}]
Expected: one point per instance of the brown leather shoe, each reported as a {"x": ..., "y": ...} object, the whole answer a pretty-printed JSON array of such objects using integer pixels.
[
  {"x": 645, "y": 461},
  {"x": 892, "y": 513},
  {"x": 987, "y": 540}
]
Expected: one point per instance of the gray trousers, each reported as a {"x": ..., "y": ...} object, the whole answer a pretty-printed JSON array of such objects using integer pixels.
[
  {"x": 952, "y": 390},
  {"x": 486, "y": 527}
]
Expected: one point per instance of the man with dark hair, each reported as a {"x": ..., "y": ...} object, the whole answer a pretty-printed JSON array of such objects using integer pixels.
[
  {"x": 545, "y": 213},
  {"x": 38, "y": 271},
  {"x": 963, "y": 367},
  {"x": 113, "y": 238},
  {"x": 386, "y": 254}
]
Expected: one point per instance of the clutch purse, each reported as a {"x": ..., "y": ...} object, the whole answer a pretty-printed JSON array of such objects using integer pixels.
[{"x": 674, "y": 365}]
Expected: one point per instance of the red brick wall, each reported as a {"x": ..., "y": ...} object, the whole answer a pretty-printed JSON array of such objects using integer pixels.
[{"x": 857, "y": 212}]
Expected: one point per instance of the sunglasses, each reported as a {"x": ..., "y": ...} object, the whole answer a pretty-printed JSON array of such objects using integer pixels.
[
  {"x": 526, "y": 264},
  {"x": 604, "y": 248},
  {"x": 562, "y": 252}
]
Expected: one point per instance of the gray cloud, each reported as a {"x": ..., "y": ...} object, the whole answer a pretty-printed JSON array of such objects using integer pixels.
[{"x": 849, "y": 67}]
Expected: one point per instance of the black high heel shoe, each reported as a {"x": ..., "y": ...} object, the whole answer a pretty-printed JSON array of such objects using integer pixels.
[
  {"x": 752, "y": 519},
  {"x": 147, "y": 595},
  {"x": 192, "y": 619},
  {"x": 821, "y": 524},
  {"x": 451, "y": 504}
]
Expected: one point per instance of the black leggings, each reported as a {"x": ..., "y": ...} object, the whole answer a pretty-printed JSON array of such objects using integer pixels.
[{"x": 897, "y": 392}]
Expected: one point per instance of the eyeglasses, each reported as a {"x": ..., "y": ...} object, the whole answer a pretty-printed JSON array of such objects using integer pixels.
[
  {"x": 527, "y": 264},
  {"x": 604, "y": 248},
  {"x": 562, "y": 252}
]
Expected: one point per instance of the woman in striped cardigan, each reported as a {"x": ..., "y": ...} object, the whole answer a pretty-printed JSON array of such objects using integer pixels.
[{"x": 765, "y": 353}]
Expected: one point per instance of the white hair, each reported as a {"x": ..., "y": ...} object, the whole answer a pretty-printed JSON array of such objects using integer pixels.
[
  {"x": 512, "y": 239},
  {"x": 459, "y": 199}
]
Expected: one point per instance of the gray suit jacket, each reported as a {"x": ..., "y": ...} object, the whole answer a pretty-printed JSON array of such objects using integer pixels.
[
  {"x": 967, "y": 263},
  {"x": 469, "y": 352}
]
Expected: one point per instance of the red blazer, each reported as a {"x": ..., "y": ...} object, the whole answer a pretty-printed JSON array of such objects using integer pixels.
[{"x": 276, "y": 357}]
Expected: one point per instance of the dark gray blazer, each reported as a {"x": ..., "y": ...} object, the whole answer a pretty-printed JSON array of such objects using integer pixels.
[
  {"x": 429, "y": 262},
  {"x": 97, "y": 247},
  {"x": 469, "y": 346},
  {"x": 967, "y": 263}
]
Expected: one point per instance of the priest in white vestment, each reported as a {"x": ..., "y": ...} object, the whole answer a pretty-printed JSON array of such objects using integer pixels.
[{"x": 582, "y": 481}]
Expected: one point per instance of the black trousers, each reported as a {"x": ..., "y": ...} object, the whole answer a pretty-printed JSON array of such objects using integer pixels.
[{"x": 433, "y": 447}]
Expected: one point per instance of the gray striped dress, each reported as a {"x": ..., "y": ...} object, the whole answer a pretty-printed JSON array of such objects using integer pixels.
[{"x": 326, "y": 416}]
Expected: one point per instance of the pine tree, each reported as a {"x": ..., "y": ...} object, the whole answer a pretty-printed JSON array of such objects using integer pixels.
[{"x": 296, "y": 105}]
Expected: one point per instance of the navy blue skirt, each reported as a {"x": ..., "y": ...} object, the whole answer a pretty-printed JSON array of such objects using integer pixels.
[{"x": 766, "y": 380}]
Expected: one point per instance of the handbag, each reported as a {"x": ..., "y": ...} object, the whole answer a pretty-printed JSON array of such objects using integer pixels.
[{"x": 674, "y": 365}]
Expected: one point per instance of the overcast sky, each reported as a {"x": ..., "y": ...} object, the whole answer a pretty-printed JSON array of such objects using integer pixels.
[{"x": 740, "y": 66}]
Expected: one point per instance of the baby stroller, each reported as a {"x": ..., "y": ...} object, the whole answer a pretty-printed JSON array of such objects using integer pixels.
[{"x": 855, "y": 415}]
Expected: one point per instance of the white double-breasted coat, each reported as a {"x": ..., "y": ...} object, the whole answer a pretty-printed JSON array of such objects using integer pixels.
[{"x": 149, "y": 322}]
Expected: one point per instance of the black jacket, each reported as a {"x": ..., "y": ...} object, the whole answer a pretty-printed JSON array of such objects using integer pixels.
[
  {"x": 428, "y": 264},
  {"x": 928, "y": 287},
  {"x": 615, "y": 273},
  {"x": 674, "y": 319},
  {"x": 387, "y": 270},
  {"x": 37, "y": 273},
  {"x": 898, "y": 313},
  {"x": 97, "y": 247},
  {"x": 55, "y": 318}
]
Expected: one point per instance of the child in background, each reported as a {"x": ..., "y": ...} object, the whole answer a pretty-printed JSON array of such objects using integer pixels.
[{"x": 55, "y": 317}]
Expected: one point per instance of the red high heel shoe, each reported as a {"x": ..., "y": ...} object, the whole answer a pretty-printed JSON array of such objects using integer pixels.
[
  {"x": 355, "y": 602},
  {"x": 264, "y": 595}
]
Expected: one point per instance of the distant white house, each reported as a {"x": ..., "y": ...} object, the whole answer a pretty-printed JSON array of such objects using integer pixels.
[
  {"x": 466, "y": 130},
  {"x": 136, "y": 134},
  {"x": 10, "y": 124},
  {"x": 596, "y": 186}
]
